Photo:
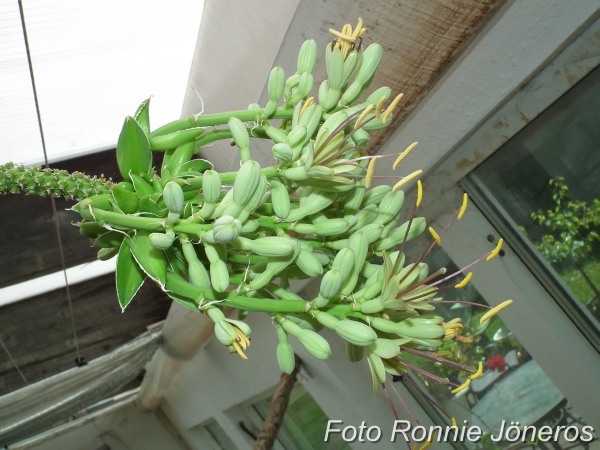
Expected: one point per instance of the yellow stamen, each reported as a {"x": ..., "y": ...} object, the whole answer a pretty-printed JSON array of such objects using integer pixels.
[
  {"x": 380, "y": 104},
  {"x": 407, "y": 179},
  {"x": 464, "y": 282},
  {"x": 425, "y": 445},
  {"x": 358, "y": 29},
  {"x": 454, "y": 422},
  {"x": 239, "y": 350},
  {"x": 242, "y": 339},
  {"x": 360, "y": 119},
  {"x": 419, "y": 193},
  {"x": 435, "y": 236},
  {"x": 453, "y": 326},
  {"x": 309, "y": 101},
  {"x": 404, "y": 154},
  {"x": 391, "y": 108},
  {"x": 342, "y": 36},
  {"x": 370, "y": 171},
  {"x": 455, "y": 320},
  {"x": 362, "y": 31},
  {"x": 492, "y": 312},
  {"x": 461, "y": 387},
  {"x": 479, "y": 372},
  {"x": 450, "y": 334},
  {"x": 463, "y": 208},
  {"x": 414, "y": 447},
  {"x": 496, "y": 250}
]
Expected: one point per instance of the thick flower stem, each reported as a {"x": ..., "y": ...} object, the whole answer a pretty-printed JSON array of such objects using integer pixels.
[{"x": 218, "y": 119}]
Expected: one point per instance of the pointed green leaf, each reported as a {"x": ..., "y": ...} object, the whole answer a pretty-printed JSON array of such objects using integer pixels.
[
  {"x": 152, "y": 260},
  {"x": 187, "y": 302},
  {"x": 110, "y": 239},
  {"x": 133, "y": 149},
  {"x": 195, "y": 165},
  {"x": 142, "y": 116},
  {"x": 130, "y": 276}
]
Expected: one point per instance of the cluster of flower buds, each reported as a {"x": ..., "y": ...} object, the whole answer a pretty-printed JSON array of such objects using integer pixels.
[{"x": 235, "y": 239}]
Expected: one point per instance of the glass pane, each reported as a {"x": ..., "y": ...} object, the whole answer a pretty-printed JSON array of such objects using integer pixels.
[
  {"x": 546, "y": 180},
  {"x": 304, "y": 423},
  {"x": 211, "y": 436},
  {"x": 513, "y": 387}
]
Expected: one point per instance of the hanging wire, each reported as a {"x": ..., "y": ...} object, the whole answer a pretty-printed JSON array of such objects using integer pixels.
[
  {"x": 79, "y": 361},
  {"x": 14, "y": 362}
]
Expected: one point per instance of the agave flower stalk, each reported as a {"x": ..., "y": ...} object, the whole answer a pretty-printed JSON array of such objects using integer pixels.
[{"x": 235, "y": 239}]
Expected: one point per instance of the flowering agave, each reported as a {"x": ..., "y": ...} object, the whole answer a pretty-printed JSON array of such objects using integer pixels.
[{"x": 213, "y": 240}]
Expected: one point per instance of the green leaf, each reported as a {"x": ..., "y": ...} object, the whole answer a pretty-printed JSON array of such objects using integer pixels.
[
  {"x": 195, "y": 165},
  {"x": 110, "y": 239},
  {"x": 142, "y": 116},
  {"x": 133, "y": 149},
  {"x": 187, "y": 302},
  {"x": 152, "y": 260},
  {"x": 126, "y": 200},
  {"x": 130, "y": 276}
]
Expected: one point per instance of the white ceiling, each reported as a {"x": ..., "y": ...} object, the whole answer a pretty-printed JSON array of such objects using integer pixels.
[{"x": 94, "y": 62}]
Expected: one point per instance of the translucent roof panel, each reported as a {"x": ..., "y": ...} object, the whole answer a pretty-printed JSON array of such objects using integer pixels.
[{"x": 94, "y": 62}]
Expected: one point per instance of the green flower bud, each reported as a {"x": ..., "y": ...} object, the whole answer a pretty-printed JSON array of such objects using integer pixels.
[
  {"x": 285, "y": 357},
  {"x": 173, "y": 197},
  {"x": 356, "y": 333},
  {"x": 211, "y": 186},
  {"x": 385, "y": 348},
  {"x": 282, "y": 152},
  {"x": 331, "y": 283},
  {"x": 273, "y": 246},
  {"x": 307, "y": 58},
  {"x": 315, "y": 344},
  {"x": 225, "y": 332},
  {"x": 354, "y": 353},
  {"x": 226, "y": 229},
  {"x": 372, "y": 306},
  {"x": 161, "y": 241},
  {"x": 239, "y": 133},
  {"x": 219, "y": 276}
]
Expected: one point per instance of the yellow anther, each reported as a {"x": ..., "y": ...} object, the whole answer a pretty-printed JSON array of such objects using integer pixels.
[
  {"x": 404, "y": 154},
  {"x": 452, "y": 326},
  {"x": 455, "y": 320},
  {"x": 370, "y": 171},
  {"x": 242, "y": 339},
  {"x": 463, "y": 208},
  {"x": 360, "y": 119},
  {"x": 464, "y": 282},
  {"x": 435, "y": 236},
  {"x": 496, "y": 250},
  {"x": 239, "y": 351},
  {"x": 419, "y": 193},
  {"x": 309, "y": 101},
  {"x": 492, "y": 312},
  {"x": 342, "y": 36},
  {"x": 454, "y": 422},
  {"x": 359, "y": 29},
  {"x": 380, "y": 104},
  {"x": 414, "y": 447},
  {"x": 407, "y": 179},
  {"x": 462, "y": 387},
  {"x": 479, "y": 372},
  {"x": 450, "y": 334},
  {"x": 391, "y": 108}
]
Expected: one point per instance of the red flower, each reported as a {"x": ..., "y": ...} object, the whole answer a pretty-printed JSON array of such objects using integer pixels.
[{"x": 497, "y": 362}]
